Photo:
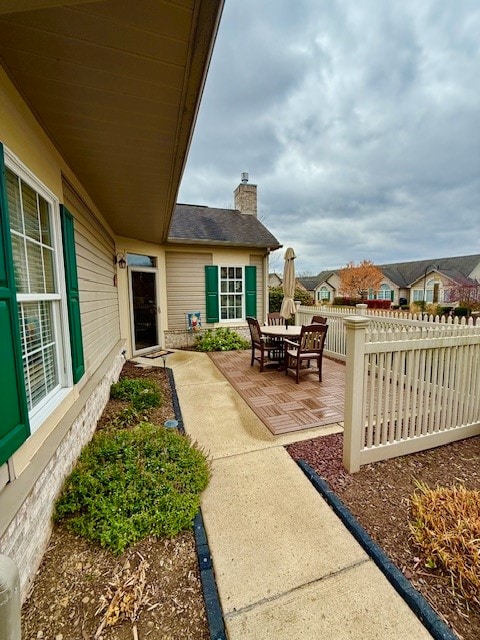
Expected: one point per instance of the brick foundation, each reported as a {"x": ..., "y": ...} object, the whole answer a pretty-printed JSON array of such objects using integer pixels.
[{"x": 182, "y": 339}]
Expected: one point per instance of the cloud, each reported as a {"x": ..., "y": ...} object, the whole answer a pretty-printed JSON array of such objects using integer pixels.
[{"x": 358, "y": 121}]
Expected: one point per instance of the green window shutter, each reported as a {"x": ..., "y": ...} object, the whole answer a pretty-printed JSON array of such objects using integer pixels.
[
  {"x": 211, "y": 293},
  {"x": 251, "y": 291},
  {"x": 73, "y": 298},
  {"x": 14, "y": 427}
]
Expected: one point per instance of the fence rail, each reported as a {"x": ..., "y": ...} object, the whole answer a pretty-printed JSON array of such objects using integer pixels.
[
  {"x": 408, "y": 389},
  {"x": 412, "y": 382},
  {"x": 381, "y": 320}
]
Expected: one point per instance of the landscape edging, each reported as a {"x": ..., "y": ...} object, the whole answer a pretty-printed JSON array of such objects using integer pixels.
[{"x": 417, "y": 603}]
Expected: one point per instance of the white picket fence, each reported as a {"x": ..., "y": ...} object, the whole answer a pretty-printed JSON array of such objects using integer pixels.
[{"x": 411, "y": 384}]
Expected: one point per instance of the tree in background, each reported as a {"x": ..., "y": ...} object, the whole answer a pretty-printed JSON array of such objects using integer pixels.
[
  {"x": 275, "y": 295},
  {"x": 357, "y": 280},
  {"x": 466, "y": 294}
]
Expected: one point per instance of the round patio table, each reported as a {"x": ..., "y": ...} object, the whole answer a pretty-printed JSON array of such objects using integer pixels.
[
  {"x": 281, "y": 330},
  {"x": 277, "y": 332}
]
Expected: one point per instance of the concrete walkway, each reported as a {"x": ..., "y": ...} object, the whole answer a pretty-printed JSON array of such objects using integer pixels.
[{"x": 286, "y": 567}]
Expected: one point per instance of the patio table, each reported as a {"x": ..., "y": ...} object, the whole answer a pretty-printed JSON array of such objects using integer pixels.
[{"x": 278, "y": 332}]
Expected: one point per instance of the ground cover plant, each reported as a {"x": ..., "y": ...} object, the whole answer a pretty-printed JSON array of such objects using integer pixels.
[
  {"x": 150, "y": 590},
  {"x": 222, "y": 339},
  {"x": 131, "y": 483}
]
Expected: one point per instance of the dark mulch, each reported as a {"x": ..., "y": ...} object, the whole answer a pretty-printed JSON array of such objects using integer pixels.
[
  {"x": 75, "y": 575},
  {"x": 378, "y": 496}
]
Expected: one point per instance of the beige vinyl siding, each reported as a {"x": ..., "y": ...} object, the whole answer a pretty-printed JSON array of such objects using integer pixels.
[
  {"x": 185, "y": 276},
  {"x": 257, "y": 261},
  {"x": 98, "y": 295}
]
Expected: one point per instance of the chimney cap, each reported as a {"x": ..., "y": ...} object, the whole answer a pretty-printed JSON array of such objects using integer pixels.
[{"x": 244, "y": 177}]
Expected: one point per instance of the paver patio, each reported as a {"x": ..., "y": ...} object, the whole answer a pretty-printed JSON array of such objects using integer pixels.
[{"x": 281, "y": 404}]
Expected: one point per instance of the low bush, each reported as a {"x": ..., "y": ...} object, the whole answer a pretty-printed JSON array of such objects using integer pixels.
[
  {"x": 343, "y": 301},
  {"x": 223, "y": 339},
  {"x": 130, "y": 484},
  {"x": 445, "y": 523},
  {"x": 379, "y": 304},
  {"x": 142, "y": 394},
  {"x": 461, "y": 312},
  {"x": 275, "y": 297}
]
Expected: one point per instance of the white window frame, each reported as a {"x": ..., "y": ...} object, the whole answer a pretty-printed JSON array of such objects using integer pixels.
[
  {"x": 417, "y": 295},
  {"x": 39, "y": 413},
  {"x": 384, "y": 289},
  {"x": 321, "y": 298},
  {"x": 230, "y": 320}
]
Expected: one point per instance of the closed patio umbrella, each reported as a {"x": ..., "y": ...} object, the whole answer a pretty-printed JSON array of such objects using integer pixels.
[{"x": 288, "y": 305}]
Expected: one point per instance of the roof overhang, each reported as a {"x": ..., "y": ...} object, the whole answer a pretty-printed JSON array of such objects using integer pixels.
[
  {"x": 117, "y": 86},
  {"x": 221, "y": 243}
]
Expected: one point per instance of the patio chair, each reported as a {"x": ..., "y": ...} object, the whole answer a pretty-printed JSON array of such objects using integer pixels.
[
  {"x": 259, "y": 343},
  {"x": 275, "y": 318},
  {"x": 319, "y": 320},
  {"x": 298, "y": 356}
]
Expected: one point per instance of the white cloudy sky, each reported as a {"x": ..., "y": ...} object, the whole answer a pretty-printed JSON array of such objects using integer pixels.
[{"x": 359, "y": 120}]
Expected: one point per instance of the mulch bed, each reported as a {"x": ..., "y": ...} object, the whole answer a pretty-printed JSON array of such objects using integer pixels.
[
  {"x": 65, "y": 602},
  {"x": 378, "y": 496}
]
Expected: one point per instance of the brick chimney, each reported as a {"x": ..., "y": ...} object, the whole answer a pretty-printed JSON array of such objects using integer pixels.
[{"x": 245, "y": 196}]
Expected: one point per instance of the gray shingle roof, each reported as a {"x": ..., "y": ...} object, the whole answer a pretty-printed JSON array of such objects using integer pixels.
[
  {"x": 194, "y": 224},
  {"x": 310, "y": 282},
  {"x": 404, "y": 274}
]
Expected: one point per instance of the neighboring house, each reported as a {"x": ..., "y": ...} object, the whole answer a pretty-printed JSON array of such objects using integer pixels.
[
  {"x": 438, "y": 280},
  {"x": 323, "y": 287},
  {"x": 97, "y": 106},
  {"x": 274, "y": 280}
]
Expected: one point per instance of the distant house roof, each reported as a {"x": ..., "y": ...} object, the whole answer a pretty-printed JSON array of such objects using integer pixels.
[
  {"x": 194, "y": 224},
  {"x": 311, "y": 282},
  {"x": 404, "y": 274}
]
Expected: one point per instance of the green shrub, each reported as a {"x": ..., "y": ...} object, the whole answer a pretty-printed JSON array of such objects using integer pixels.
[
  {"x": 142, "y": 394},
  {"x": 223, "y": 339},
  {"x": 128, "y": 485},
  {"x": 275, "y": 297}
]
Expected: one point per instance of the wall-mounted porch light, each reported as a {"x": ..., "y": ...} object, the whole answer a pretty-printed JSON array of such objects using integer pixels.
[{"x": 119, "y": 260}]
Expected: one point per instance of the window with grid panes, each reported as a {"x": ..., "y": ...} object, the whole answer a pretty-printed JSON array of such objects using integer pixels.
[
  {"x": 231, "y": 293},
  {"x": 38, "y": 296},
  {"x": 385, "y": 293}
]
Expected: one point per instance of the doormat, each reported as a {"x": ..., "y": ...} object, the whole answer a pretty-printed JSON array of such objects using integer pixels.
[{"x": 157, "y": 354}]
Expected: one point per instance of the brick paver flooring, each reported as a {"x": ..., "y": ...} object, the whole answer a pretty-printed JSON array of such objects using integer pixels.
[{"x": 278, "y": 401}]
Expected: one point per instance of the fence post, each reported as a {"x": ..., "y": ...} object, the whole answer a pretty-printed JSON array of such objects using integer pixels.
[
  {"x": 9, "y": 600},
  {"x": 356, "y": 328},
  {"x": 361, "y": 309}
]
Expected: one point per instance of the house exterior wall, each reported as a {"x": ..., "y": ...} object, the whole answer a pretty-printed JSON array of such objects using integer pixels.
[
  {"x": 96, "y": 271},
  {"x": 185, "y": 286},
  {"x": 31, "y": 480}
]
